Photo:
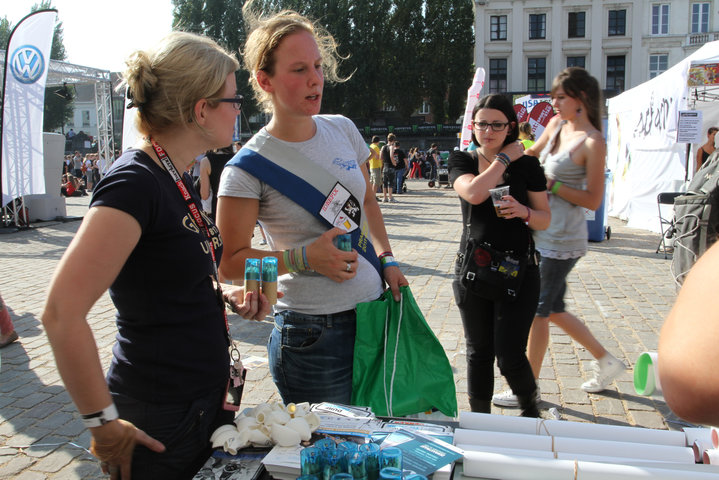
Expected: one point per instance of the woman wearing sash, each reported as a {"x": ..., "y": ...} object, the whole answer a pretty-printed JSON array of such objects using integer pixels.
[
  {"x": 311, "y": 347},
  {"x": 165, "y": 389}
]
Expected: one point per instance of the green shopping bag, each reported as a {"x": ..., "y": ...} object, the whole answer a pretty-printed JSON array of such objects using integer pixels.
[{"x": 400, "y": 367}]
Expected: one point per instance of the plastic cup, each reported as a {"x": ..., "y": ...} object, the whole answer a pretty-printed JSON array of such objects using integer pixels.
[
  {"x": 390, "y": 457},
  {"x": 252, "y": 275},
  {"x": 341, "y": 476},
  {"x": 497, "y": 194},
  {"x": 371, "y": 452},
  {"x": 390, "y": 473},
  {"x": 343, "y": 242},
  {"x": 347, "y": 446},
  {"x": 311, "y": 461},
  {"x": 308, "y": 477},
  {"x": 269, "y": 279},
  {"x": 335, "y": 461},
  {"x": 356, "y": 465}
]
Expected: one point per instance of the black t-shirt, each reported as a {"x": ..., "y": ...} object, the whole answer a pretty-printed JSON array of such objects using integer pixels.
[
  {"x": 400, "y": 157},
  {"x": 172, "y": 340},
  {"x": 525, "y": 174},
  {"x": 217, "y": 164}
]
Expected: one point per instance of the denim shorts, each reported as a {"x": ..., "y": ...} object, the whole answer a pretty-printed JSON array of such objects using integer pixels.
[
  {"x": 311, "y": 356},
  {"x": 389, "y": 177},
  {"x": 553, "y": 284}
]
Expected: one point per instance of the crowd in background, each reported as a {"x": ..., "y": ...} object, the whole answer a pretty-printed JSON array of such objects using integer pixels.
[{"x": 80, "y": 173}]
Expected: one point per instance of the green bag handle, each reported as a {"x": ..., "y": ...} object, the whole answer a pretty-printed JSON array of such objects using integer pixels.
[{"x": 388, "y": 400}]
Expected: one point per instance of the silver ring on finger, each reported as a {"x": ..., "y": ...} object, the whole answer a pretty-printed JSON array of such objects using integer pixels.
[{"x": 349, "y": 267}]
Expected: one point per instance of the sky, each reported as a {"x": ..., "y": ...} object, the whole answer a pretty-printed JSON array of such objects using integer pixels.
[{"x": 102, "y": 33}]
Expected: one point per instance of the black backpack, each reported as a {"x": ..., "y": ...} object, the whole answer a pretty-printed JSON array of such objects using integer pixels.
[{"x": 696, "y": 218}]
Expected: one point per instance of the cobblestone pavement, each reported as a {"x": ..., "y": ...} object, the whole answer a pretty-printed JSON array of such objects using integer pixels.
[{"x": 622, "y": 289}]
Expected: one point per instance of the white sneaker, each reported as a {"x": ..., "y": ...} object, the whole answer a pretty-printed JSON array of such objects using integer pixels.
[
  {"x": 605, "y": 371},
  {"x": 509, "y": 399}
]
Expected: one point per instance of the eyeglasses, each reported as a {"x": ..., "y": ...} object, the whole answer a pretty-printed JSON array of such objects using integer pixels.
[
  {"x": 236, "y": 101},
  {"x": 496, "y": 126}
]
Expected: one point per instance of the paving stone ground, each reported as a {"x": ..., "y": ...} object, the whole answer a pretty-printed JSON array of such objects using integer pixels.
[{"x": 622, "y": 289}]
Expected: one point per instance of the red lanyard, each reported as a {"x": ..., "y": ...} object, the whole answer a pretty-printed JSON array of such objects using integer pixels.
[{"x": 170, "y": 167}]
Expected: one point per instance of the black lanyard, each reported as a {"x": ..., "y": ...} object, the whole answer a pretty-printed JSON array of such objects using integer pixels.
[{"x": 195, "y": 212}]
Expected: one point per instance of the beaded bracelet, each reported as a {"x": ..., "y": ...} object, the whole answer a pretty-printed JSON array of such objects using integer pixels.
[
  {"x": 529, "y": 215},
  {"x": 503, "y": 159},
  {"x": 296, "y": 259},
  {"x": 304, "y": 258},
  {"x": 287, "y": 258},
  {"x": 555, "y": 187}
]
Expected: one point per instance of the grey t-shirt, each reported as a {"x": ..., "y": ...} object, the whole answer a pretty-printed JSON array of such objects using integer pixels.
[{"x": 338, "y": 148}]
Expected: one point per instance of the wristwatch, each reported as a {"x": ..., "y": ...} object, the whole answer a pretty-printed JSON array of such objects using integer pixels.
[{"x": 98, "y": 419}]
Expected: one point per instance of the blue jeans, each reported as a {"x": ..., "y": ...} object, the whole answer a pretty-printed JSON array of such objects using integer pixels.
[
  {"x": 184, "y": 428},
  {"x": 553, "y": 274},
  {"x": 400, "y": 179},
  {"x": 311, "y": 356}
]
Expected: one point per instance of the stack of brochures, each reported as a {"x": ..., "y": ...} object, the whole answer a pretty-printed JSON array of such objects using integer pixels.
[{"x": 426, "y": 447}]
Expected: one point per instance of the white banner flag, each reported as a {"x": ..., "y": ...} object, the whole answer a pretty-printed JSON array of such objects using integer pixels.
[
  {"x": 27, "y": 60},
  {"x": 473, "y": 95}
]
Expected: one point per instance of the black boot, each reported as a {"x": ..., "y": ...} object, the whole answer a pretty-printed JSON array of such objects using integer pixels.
[
  {"x": 528, "y": 404},
  {"x": 480, "y": 406}
]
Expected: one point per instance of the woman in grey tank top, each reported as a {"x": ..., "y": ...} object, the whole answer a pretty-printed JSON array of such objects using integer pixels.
[{"x": 572, "y": 152}]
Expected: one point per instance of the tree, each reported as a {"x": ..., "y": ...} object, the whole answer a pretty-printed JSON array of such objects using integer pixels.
[
  {"x": 389, "y": 46},
  {"x": 448, "y": 48}
]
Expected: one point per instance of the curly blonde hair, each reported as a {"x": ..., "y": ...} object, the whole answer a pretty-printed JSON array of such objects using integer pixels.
[
  {"x": 166, "y": 82},
  {"x": 266, "y": 34}
]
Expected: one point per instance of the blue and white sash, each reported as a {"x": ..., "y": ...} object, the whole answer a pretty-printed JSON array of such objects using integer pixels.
[{"x": 290, "y": 172}]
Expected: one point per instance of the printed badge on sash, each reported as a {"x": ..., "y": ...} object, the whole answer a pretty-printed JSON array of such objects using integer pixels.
[{"x": 341, "y": 208}]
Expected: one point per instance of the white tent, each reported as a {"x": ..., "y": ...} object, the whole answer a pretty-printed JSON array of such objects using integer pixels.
[{"x": 642, "y": 151}]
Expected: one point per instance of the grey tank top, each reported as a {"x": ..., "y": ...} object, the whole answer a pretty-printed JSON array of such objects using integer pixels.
[{"x": 566, "y": 236}]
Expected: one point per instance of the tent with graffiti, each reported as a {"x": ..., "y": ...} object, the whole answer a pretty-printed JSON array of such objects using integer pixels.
[{"x": 642, "y": 149}]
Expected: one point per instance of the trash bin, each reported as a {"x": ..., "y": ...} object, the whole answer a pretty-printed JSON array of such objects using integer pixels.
[{"x": 597, "y": 219}]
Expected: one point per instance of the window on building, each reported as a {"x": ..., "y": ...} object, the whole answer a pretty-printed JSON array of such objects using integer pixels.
[
  {"x": 576, "y": 24},
  {"x": 700, "y": 17},
  {"x": 537, "y": 26},
  {"x": 616, "y": 70},
  {"x": 86, "y": 118},
  {"x": 617, "y": 23},
  {"x": 425, "y": 108},
  {"x": 536, "y": 74},
  {"x": 660, "y": 19},
  {"x": 657, "y": 64},
  {"x": 498, "y": 27},
  {"x": 497, "y": 75},
  {"x": 576, "y": 62}
]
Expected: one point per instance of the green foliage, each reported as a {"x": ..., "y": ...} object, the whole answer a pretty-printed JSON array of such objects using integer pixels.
[{"x": 399, "y": 51}]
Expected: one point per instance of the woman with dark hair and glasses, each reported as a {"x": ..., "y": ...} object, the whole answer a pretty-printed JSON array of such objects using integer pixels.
[
  {"x": 499, "y": 328},
  {"x": 148, "y": 243}
]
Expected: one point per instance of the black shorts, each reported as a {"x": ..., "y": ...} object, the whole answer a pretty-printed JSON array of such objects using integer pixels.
[{"x": 389, "y": 177}]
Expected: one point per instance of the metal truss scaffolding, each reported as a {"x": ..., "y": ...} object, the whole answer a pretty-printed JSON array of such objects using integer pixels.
[{"x": 61, "y": 73}]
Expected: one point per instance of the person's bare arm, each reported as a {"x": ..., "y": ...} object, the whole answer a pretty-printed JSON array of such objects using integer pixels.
[{"x": 689, "y": 345}]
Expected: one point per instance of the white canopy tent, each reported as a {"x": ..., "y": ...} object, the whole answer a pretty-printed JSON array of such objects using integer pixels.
[{"x": 642, "y": 151}]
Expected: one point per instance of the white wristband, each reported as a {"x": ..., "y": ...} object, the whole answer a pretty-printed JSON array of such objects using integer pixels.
[{"x": 98, "y": 419}]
